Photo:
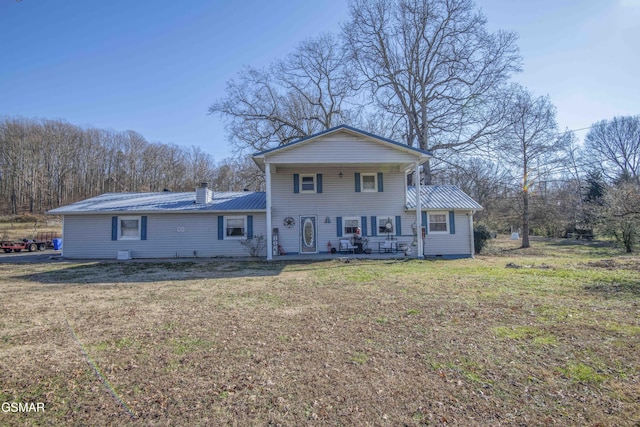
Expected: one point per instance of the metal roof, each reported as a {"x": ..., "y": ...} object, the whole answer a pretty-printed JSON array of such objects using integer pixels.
[
  {"x": 441, "y": 197},
  {"x": 165, "y": 202}
]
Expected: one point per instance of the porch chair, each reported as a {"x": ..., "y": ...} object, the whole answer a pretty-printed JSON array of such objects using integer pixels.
[{"x": 345, "y": 245}]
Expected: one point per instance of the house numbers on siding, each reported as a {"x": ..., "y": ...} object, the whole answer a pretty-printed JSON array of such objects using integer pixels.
[{"x": 180, "y": 229}]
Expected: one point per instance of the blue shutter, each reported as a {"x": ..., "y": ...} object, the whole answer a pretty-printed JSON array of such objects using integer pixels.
[
  {"x": 220, "y": 227},
  {"x": 319, "y": 183},
  {"x": 380, "y": 183},
  {"x": 114, "y": 228},
  {"x": 143, "y": 228},
  {"x": 398, "y": 226},
  {"x": 374, "y": 226},
  {"x": 452, "y": 222},
  {"x": 424, "y": 222},
  {"x": 357, "y": 174},
  {"x": 249, "y": 227},
  {"x": 339, "y": 226},
  {"x": 363, "y": 223},
  {"x": 296, "y": 183}
]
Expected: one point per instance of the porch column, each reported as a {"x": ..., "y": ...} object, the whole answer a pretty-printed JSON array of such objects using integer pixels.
[
  {"x": 267, "y": 173},
  {"x": 471, "y": 235},
  {"x": 418, "y": 212}
]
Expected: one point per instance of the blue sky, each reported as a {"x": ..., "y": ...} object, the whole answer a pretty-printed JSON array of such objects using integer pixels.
[{"x": 156, "y": 66}]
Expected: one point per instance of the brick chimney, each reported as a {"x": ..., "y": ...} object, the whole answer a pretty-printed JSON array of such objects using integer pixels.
[{"x": 203, "y": 194}]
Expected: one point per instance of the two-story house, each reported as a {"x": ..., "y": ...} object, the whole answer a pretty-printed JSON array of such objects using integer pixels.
[{"x": 320, "y": 191}]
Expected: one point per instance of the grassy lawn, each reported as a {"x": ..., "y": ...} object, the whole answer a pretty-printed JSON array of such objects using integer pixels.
[{"x": 544, "y": 336}]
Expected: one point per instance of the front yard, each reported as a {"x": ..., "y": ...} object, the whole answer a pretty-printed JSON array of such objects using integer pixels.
[{"x": 544, "y": 336}]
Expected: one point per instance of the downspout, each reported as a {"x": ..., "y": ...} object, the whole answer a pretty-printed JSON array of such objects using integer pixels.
[
  {"x": 267, "y": 173},
  {"x": 418, "y": 212}
]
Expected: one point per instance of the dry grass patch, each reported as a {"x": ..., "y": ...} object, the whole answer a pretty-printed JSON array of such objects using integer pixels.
[{"x": 467, "y": 342}]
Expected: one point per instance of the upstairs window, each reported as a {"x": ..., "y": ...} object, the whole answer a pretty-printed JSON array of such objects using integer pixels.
[
  {"x": 369, "y": 182},
  {"x": 308, "y": 183}
]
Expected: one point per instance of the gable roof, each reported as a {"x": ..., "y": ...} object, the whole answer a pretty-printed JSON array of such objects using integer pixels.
[
  {"x": 257, "y": 157},
  {"x": 444, "y": 197},
  {"x": 165, "y": 202}
]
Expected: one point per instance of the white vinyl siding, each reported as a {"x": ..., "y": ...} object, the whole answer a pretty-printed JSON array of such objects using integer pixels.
[
  {"x": 325, "y": 149},
  {"x": 337, "y": 200},
  {"x": 443, "y": 244},
  {"x": 168, "y": 236}
]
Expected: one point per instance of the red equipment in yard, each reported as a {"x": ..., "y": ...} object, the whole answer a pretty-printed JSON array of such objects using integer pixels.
[
  {"x": 42, "y": 241},
  {"x": 26, "y": 244}
]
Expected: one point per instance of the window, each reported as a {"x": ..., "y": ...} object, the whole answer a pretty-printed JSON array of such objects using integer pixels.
[
  {"x": 350, "y": 225},
  {"x": 369, "y": 182},
  {"x": 438, "y": 222},
  {"x": 235, "y": 227},
  {"x": 385, "y": 225},
  {"x": 308, "y": 183},
  {"x": 129, "y": 228}
]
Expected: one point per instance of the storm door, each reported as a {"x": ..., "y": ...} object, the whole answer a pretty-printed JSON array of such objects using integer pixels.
[{"x": 308, "y": 235}]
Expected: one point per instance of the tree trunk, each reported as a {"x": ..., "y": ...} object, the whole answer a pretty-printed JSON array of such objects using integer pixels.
[{"x": 525, "y": 219}]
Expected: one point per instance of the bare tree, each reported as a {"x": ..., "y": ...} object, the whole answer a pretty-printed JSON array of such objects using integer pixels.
[
  {"x": 614, "y": 147},
  {"x": 621, "y": 213},
  {"x": 48, "y": 163},
  {"x": 531, "y": 144},
  {"x": 434, "y": 66},
  {"x": 305, "y": 93}
]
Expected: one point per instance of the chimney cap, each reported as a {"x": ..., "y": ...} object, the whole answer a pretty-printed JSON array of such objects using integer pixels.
[{"x": 204, "y": 184}]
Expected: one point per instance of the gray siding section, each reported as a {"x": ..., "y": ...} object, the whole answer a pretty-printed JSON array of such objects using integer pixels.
[
  {"x": 450, "y": 244},
  {"x": 168, "y": 236},
  {"x": 338, "y": 199},
  {"x": 325, "y": 149}
]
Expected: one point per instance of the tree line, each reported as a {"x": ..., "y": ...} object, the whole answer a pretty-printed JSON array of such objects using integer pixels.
[{"x": 45, "y": 164}]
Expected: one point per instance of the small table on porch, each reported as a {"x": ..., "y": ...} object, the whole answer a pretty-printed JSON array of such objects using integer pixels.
[{"x": 388, "y": 246}]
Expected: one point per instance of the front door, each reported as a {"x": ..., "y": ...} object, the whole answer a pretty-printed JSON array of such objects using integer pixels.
[{"x": 308, "y": 234}]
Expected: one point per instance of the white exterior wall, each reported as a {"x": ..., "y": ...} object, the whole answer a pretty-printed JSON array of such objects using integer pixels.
[
  {"x": 327, "y": 149},
  {"x": 168, "y": 236},
  {"x": 446, "y": 244},
  {"x": 338, "y": 199}
]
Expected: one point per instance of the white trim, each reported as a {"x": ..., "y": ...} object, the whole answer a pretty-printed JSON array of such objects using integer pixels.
[
  {"x": 244, "y": 235},
  {"x": 471, "y": 236},
  {"x": 446, "y": 220},
  {"x": 129, "y": 218},
  {"x": 267, "y": 174},
  {"x": 419, "y": 240}
]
